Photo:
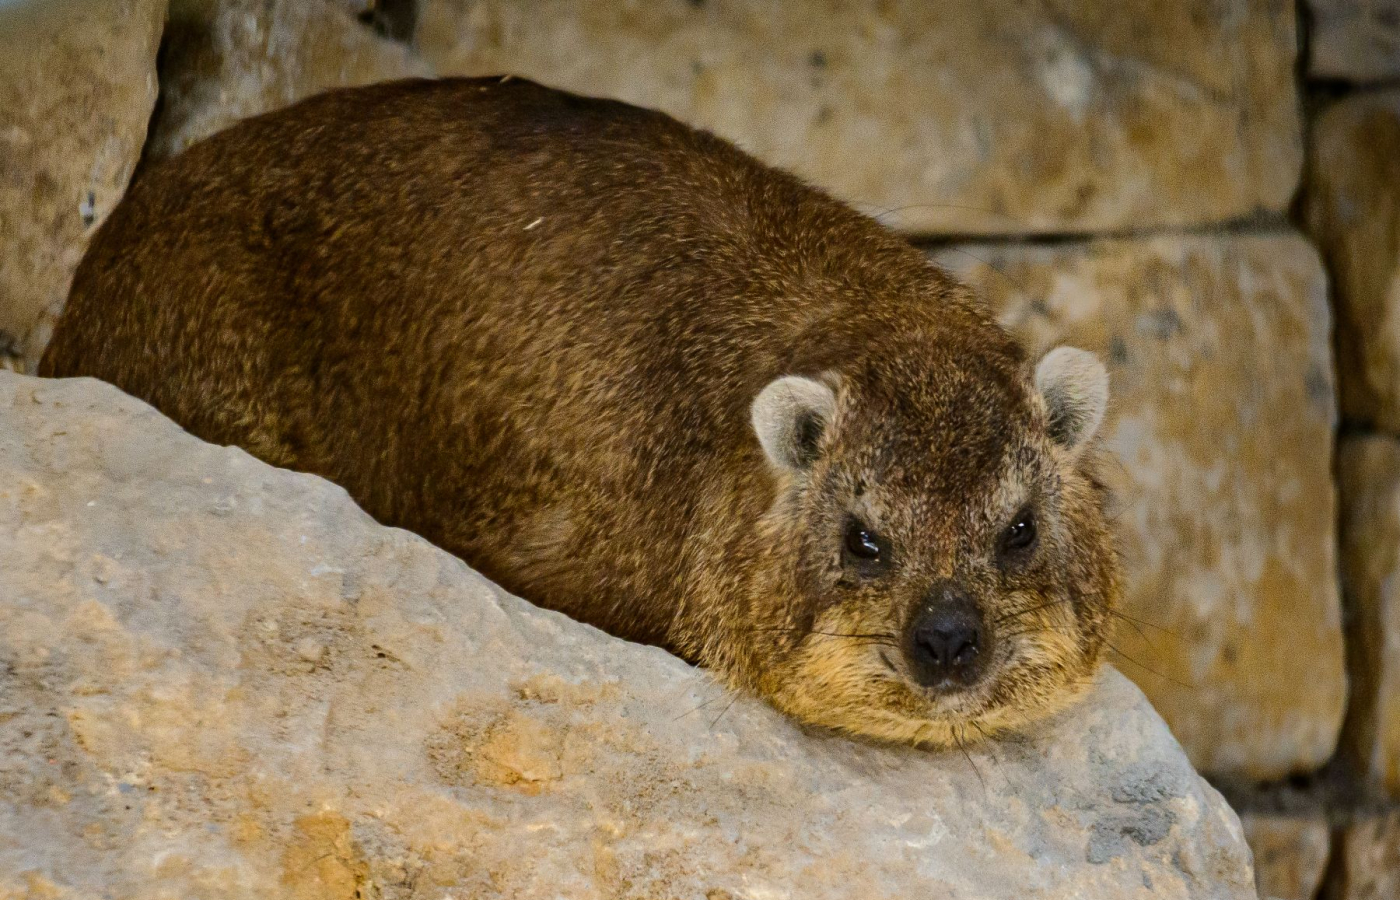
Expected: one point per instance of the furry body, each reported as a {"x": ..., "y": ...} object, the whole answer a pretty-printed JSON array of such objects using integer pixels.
[{"x": 532, "y": 326}]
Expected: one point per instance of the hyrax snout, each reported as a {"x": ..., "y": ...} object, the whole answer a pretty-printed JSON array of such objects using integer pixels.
[
  {"x": 946, "y": 639},
  {"x": 633, "y": 375}
]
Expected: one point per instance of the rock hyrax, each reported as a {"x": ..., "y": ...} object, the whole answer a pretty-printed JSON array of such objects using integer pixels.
[{"x": 633, "y": 375}]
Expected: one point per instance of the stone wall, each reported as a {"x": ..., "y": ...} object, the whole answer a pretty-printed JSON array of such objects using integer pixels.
[
  {"x": 1350, "y": 208},
  {"x": 1207, "y": 192}
]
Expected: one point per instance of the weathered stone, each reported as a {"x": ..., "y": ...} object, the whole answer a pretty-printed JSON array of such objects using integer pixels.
[
  {"x": 77, "y": 85},
  {"x": 1369, "y": 864},
  {"x": 229, "y": 59},
  {"x": 970, "y": 118},
  {"x": 1370, "y": 540},
  {"x": 1290, "y": 852},
  {"x": 1358, "y": 40},
  {"x": 1353, "y": 212},
  {"x": 1220, "y": 427},
  {"x": 223, "y": 679}
]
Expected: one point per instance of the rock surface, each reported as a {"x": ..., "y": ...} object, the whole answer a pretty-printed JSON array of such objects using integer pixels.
[
  {"x": 1290, "y": 853},
  {"x": 1369, "y": 469},
  {"x": 77, "y": 85},
  {"x": 1353, "y": 212},
  {"x": 1358, "y": 40},
  {"x": 969, "y": 118},
  {"x": 229, "y": 59},
  {"x": 223, "y": 679},
  {"x": 1369, "y": 864},
  {"x": 1220, "y": 424}
]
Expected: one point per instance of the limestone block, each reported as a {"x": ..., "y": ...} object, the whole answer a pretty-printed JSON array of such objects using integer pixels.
[
  {"x": 223, "y": 679},
  {"x": 993, "y": 117},
  {"x": 1353, "y": 212},
  {"x": 1369, "y": 469},
  {"x": 229, "y": 59},
  {"x": 1290, "y": 852},
  {"x": 1369, "y": 867},
  {"x": 1357, "y": 40},
  {"x": 77, "y": 85},
  {"x": 1220, "y": 429}
]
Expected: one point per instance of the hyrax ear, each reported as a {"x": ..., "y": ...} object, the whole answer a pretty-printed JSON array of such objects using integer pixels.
[
  {"x": 1075, "y": 387},
  {"x": 789, "y": 416}
]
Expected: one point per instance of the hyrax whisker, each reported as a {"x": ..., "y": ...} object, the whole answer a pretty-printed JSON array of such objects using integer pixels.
[
  {"x": 1038, "y": 629},
  {"x": 961, "y": 741},
  {"x": 696, "y": 709},
  {"x": 1140, "y": 633},
  {"x": 1025, "y": 612},
  {"x": 1000, "y": 737},
  {"x": 873, "y": 636},
  {"x": 1122, "y": 615},
  {"x": 1148, "y": 669},
  {"x": 726, "y": 709}
]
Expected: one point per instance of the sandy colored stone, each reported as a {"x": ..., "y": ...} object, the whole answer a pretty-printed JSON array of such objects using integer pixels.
[
  {"x": 1353, "y": 212},
  {"x": 1369, "y": 864},
  {"x": 970, "y": 118},
  {"x": 1369, "y": 469},
  {"x": 1220, "y": 428},
  {"x": 229, "y": 59},
  {"x": 1357, "y": 40},
  {"x": 1290, "y": 852},
  {"x": 166, "y": 734},
  {"x": 77, "y": 85}
]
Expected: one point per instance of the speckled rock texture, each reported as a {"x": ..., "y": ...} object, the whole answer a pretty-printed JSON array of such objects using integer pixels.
[
  {"x": 995, "y": 117},
  {"x": 1355, "y": 40},
  {"x": 226, "y": 60},
  {"x": 1220, "y": 424},
  {"x": 1369, "y": 469},
  {"x": 1290, "y": 852},
  {"x": 1368, "y": 866},
  {"x": 220, "y": 679},
  {"x": 1353, "y": 212},
  {"x": 77, "y": 85}
]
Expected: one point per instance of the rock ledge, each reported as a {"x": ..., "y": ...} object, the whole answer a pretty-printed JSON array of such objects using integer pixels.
[{"x": 221, "y": 679}]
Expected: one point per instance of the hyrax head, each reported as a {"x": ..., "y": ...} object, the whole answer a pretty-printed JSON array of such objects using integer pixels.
[{"x": 943, "y": 569}]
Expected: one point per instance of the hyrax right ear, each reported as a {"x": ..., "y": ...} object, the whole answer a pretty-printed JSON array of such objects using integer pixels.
[
  {"x": 1074, "y": 385},
  {"x": 789, "y": 416}
]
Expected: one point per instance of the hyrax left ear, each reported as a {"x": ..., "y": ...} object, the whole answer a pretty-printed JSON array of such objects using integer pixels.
[
  {"x": 1075, "y": 387},
  {"x": 789, "y": 416}
]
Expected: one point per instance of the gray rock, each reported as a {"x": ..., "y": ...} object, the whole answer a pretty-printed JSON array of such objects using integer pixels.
[{"x": 223, "y": 679}]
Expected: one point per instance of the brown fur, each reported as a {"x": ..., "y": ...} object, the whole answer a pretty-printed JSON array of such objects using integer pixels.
[{"x": 529, "y": 326}]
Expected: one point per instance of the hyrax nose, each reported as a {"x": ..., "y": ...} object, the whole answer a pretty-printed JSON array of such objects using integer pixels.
[{"x": 945, "y": 644}]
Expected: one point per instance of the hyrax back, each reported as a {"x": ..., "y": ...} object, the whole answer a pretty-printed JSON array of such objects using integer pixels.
[{"x": 633, "y": 375}]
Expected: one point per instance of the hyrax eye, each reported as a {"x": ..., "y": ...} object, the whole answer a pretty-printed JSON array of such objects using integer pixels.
[
  {"x": 862, "y": 543},
  {"x": 1020, "y": 535}
]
